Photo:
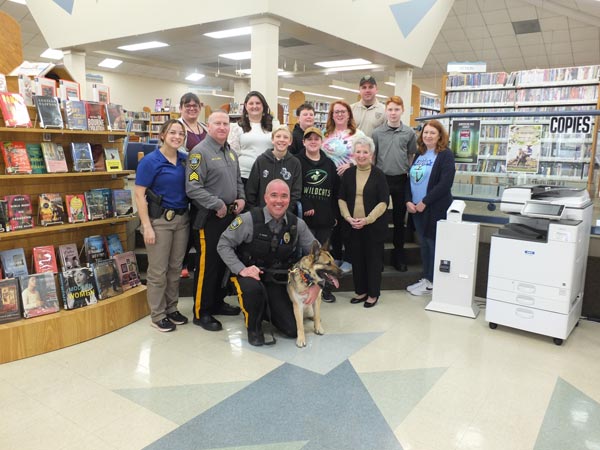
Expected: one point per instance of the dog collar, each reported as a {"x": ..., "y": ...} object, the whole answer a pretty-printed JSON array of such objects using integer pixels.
[{"x": 306, "y": 278}]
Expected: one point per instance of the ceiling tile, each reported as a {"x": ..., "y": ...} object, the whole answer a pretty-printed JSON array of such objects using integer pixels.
[
  {"x": 507, "y": 52},
  {"x": 560, "y": 60},
  {"x": 506, "y": 41},
  {"x": 459, "y": 46},
  {"x": 477, "y": 32},
  {"x": 556, "y": 36},
  {"x": 584, "y": 33},
  {"x": 555, "y": 47},
  {"x": 522, "y": 13},
  {"x": 454, "y": 35},
  {"x": 501, "y": 29},
  {"x": 491, "y": 5},
  {"x": 554, "y": 23},
  {"x": 471, "y": 20},
  {"x": 513, "y": 64},
  {"x": 498, "y": 16},
  {"x": 452, "y": 23},
  {"x": 530, "y": 39},
  {"x": 584, "y": 58}
]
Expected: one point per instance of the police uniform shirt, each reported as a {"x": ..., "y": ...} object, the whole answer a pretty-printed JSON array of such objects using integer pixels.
[
  {"x": 157, "y": 173},
  {"x": 368, "y": 118},
  {"x": 212, "y": 176},
  {"x": 242, "y": 229}
]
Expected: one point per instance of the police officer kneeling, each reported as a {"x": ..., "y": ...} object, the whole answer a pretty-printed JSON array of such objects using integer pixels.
[{"x": 258, "y": 244}]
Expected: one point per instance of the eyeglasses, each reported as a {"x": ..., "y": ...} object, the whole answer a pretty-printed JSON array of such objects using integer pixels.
[
  {"x": 340, "y": 112},
  {"x": 192, "y": 106}
]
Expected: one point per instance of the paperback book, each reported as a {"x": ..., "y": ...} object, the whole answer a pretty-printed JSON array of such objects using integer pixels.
[
  {"x": 94, "y": 249},
  {"x": 76, "y": 210},
  {"x": 48, "y": 110},
  {"x": 75, "y": 115},
  {"x": 44, "y": 259},
  {"x": 101, "y": 93},
  {"x": 112, "y": 159},
  {"x": 77, "y": 287},
  {"x": 38, "y": 294},
  {"x": 26, "y": 89},
  {"x": 69, "y": 90},
  {"x": 54, "y": 157},
  {"x": 128, "y": 270},
  {"x": 4, "y": 217},
  {"x": 123, "y": 202},
  {"x": 44, "y": 86},
  {"x": 82, "y": 157},
  {"x": 115, "y": 117},
  {"x": 107, "y": 278},
  {"x": 13, "y": 262},
  {"x": 36, "y": 158},
  {"x": 95, "y": 114},
  {"x": 51, "y": 209},
  {"x": 69, "y": 256},
  {"x": 114, "y": 245},
  {"x": 10, "y": 307},
  {"x": 14, "y": 110},
  {"x": 20, "y": 212},
  {"x": 98, "y": 156},
  {"x": 16, "y": 160},
  {"x": 96, "y": 204}
]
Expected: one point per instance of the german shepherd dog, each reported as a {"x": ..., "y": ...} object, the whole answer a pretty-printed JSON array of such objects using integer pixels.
[{"x": 317, "y": 267}]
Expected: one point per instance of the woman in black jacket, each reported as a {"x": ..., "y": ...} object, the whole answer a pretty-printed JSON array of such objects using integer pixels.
[{"x": 364, "y": 195}]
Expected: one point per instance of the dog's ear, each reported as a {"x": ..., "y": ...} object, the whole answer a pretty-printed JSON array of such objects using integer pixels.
[
  {"x": 325, "y": 245},
  {"x": 315, "y": 249}
]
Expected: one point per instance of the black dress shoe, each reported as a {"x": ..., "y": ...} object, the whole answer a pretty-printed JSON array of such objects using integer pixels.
[
  {"x": 370, "y": 305},
  {"x": 256, "y": 338},
  {"x": 355, "y": 300},
  {"x": 401, "y": 267},
  {"x": 227, "y": 310},
  {"x": 208, "y": 322},
  {"x": 327, "y": 296}
]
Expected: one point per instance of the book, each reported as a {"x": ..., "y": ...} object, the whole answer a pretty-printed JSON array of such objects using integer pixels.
[
  {"x": 13, "y": 262},
  {"x": 32, "y": 69},
  {"x": 38, "y": 294},
  {"x": 16, "y": 160},
  {"x": 112, "y": 160},
  {"x": 94, "y": 249},
  {"x": 54, "y": 157},
  {"x": 68, "y": 256},
  {"x": 20, "y": 213},
  {"x": 26, "y": 89},
  {"x": 100, "y": 93},
  {"x": 98, "y": 156},
  {"x": 44, "y": 86},
  {"x": 158, "y": 105},
  {"x": 107, "y": 279},
  {"x": 96, "y": 203},
  {"x": 167, "y": 105},
  {"x": 51, "y": 209},
  {"x": 123, "y": 202},
  {"x": 10, "y": 306},
  {"x": 14, "y": 110},
  {"x": 115, "y": 117},
  {"x": 75, "y": 115},
  {"x": 36, "y": 158},
  {"x": 127, "y": 268},
  {"x": 83, "y": 160},
  {"x": 68, "y": 90},
  {"x": 44, "y": 259},
  {"x": 76, "y": 210},
  {"x": 77, "y": 287},
  {"x": 95, "y": 115},
  {"x": 48, "y": 110},
  {"x": 4, "y": 217},
  {"x": 113, "y": 245},
  {"x": 3, "y": 86}
]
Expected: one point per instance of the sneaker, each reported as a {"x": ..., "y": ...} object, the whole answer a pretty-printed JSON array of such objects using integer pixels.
[
  {"x": 425, "y": 289},
  {"x": 185, "y": 273},
  {"x": 177, "y": 318},
  {"x": 416, "y": 285},
  {"x": 327, "y": 297},
  {"x": 164, "y": 325},
  {"x": 345, "y": 267}
]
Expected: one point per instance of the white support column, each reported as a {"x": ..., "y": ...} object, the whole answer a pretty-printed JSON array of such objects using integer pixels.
[
  {"x": 240, "y": 89},
  {"x": 75, "y": 64},
  {"x": 265, "y": 59},
  {"x": 403, "y": 80}
]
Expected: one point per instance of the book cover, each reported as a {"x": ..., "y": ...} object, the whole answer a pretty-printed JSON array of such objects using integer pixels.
[
  {"x": 48, "y": 110},
  {"x": 123, "y": 202},
  {"x": 13, "y": 263},
  {"x": 83, "y": 160},
  {"x": 10, "y": 306},
  {"x": 51, "y": 209},
  {"x": 77, "y": 287},
  {"x": 94, "y": 249},
  {"x": 158, "y": 105},
  {"x": 112, "y": 160},
  {"x": 16, "y": 160},
  {"x": 75, "y": 115},
  {"x": 38, "y": 294},
  {"x": 44, "y": 86},
  {"x": 44, "y": 259},
  {"x": 14, "y": 110},
  {"x": 96, "y": 207},
  {"x": 20, "y": 213},
  {"x": 69, "y": 90},
  {"x": 76, "y": 210},
  {"x": 36, "y": 158},
  {"x": 114, "y": 245},
  {"x": 54, "y": 157},
  {"x": 107, "y": 279},
  {"x": 115, "y": 117},
  {"x": 26, "y": 89},
  {"x": 4, "y": 216},
  {"x": 68, "y": 256},
  {"x": 98, "y": 156},
  {"x": 108, "y": 201},
  {"x": 95, "y": 114},
  {"x": 128, "y": 270},
  {"x": 101, "y": 93}
]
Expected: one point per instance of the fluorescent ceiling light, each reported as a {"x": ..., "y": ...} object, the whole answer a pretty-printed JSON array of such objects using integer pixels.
[
  {"x": 292, "y": 90},
  {"x": 143, "y": 46},
  {"x": 342, "y": 63},
  {"x": 431, "y": 94},
  {"x": 110, "y": 63},
  {"x": 194, "y": 76},
  {"x": 335, "y": 86},
  {"x": 20, "y": 2},
  {"x": 323, "y": 95},
  {"x": 286, "y": 98},
  {"x": 229, "y": 33},
  {"x": 50, "y": 53},
  {"x": 390, "y": 83},
  {"x": 347, "y": 68},
  {"x": 237, "y": 56},
  {"x": 214, "y": 93},
  {"x": 280, "y": 72},
  {"x": 381, "y": 96}
]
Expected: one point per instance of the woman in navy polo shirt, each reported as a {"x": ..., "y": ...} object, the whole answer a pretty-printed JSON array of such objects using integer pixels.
[{"x": 165, "y": 233}]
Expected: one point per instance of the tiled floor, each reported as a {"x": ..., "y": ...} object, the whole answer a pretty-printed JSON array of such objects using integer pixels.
[{"x": 391, "y": 377}]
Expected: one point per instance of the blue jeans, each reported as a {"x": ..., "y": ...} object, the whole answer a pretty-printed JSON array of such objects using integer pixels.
[{"x": 427, "y": 246}]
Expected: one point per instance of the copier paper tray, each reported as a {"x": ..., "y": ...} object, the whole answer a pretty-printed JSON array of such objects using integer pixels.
[{"x": 523, "y": 232}]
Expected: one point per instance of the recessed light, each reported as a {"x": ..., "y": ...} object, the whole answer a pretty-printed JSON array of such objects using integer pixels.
[
  {"x": 110, "y": 63},
  {"x": 348, "y": 68},
  {"x": 342, "y": 63},
  {"x": 335, "y": 86},
  {"x": 50, "y": 53},
  {"x": 287, "y": 89},
  {"x": 237, "y": 56},
  {"x": 194, "y": 76},
  {"x": 143, "y": 46},
  {"x": 229, "y": 33}
]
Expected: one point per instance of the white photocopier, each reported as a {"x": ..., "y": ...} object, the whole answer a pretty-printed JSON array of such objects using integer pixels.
[{"x": 538, "y": 260}]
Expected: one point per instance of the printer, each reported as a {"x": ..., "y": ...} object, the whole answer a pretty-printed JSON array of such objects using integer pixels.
[{"x": 538, "y": 260}]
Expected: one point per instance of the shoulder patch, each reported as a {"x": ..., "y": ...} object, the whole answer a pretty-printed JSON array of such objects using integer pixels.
[
  {"x": 232, "y": 155},
  {"x": 236, "y": 223},
  {"x": 194, "y": 160}
]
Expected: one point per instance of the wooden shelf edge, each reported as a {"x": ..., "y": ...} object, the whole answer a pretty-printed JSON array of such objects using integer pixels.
[
  {"x": 95, "y": 174},
  {"x": 62, "y": 131},
  {"x": 30, "y": 337}
]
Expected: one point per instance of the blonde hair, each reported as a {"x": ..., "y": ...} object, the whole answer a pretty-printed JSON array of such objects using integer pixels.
[{"x": 281, "y": 128}]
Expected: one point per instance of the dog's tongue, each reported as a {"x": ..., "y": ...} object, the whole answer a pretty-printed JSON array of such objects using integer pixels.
[{"x": 335, "y": 281}]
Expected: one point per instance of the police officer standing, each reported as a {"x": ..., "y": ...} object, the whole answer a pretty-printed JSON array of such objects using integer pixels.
[
  {"x": 215, "y": 188},
  {"x": 257, "y": 242}
]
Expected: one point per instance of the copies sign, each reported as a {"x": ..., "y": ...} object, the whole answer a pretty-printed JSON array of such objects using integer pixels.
[{"x": 571, "y": 124}]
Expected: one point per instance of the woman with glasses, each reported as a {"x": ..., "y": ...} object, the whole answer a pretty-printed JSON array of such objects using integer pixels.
[{"x": 190, "y": 107}]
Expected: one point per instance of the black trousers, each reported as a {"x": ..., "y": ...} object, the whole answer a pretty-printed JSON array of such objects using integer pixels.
[
  {"x": 397, "y": 185},
  {"x": 367, "y": 262},
  {"x": 209, "y": 289},
  {"x": 254, "y": 296}
]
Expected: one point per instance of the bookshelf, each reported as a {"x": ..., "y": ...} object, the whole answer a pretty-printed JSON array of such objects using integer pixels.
[
  {"x": 140, "y": 125},
  {"x": 321, "y": 113},
  {"x": 157, "y": 119},
  {"x": 428, "y": 105}
]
